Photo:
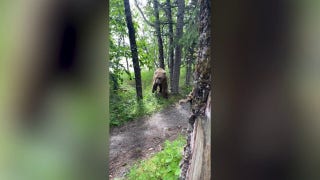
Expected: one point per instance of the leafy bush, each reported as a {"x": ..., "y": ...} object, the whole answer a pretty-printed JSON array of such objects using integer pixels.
[{"x": 163, "y": 165}]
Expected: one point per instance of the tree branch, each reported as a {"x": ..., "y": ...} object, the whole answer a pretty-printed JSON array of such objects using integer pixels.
[{"x": 145, "y": 19}]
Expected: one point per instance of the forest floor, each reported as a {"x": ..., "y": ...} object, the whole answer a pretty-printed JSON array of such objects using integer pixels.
[{"x": 141, "y": 138}]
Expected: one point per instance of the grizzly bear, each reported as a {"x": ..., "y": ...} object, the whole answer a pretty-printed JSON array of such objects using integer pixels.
[{"x": 160, "y": 80}]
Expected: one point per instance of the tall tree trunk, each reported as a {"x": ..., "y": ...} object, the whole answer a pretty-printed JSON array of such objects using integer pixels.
[
  {"x": 196, "y": 162},
  {"x": 178, "y": 49},
  {"x": 159, "y": 37},
  {"x": 156, "y": 26},
  {"x": 189, "y": 60},
  {"x": 127, "y": 63},
  {"x": 171, "y": 54},
  {"x": 134, "y": 51}
]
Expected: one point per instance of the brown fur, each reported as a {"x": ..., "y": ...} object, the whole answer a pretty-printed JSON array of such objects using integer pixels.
[{"x": 160, "y": 80}]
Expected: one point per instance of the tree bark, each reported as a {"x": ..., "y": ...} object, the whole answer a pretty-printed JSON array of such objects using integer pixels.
[
  {"x": 196, "y": 163},
  {"x": 189, "y": 60},
  {"x": 171, "y": 53},
  {"x": 178, "y": 49},
  {"x": 157, "y": 27},
  {"x": 134, "y": 51}
]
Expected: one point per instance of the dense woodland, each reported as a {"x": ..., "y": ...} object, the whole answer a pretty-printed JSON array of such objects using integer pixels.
[
  {"x": 174, "y": 36},
  {"x": 145, "y": 35}
]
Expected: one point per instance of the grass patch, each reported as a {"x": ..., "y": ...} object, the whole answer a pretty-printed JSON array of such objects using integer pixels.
[
  {"x": 124, "y": 106},
  {"x": 163, "y": 165}
]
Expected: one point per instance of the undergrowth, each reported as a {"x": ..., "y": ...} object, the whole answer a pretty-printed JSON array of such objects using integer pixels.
[
  {"x": 164, "y": 165},
  {"x": 124, "y": 106}
]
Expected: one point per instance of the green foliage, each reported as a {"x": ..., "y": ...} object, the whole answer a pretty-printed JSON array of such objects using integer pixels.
[
  {"x": 123, "y": 104},
  {"x": 191, "y": 34},
  {"x": 163, "y": 165},
  {"x": 118, "y": 49},
  {"x": 145, "y": 52}
]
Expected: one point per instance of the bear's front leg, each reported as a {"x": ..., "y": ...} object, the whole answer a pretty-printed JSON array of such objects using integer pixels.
[{"x": 154, "y": 87}]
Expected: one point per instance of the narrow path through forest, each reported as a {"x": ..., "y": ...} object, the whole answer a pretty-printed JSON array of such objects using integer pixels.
[{"x": 141, "y": 138}]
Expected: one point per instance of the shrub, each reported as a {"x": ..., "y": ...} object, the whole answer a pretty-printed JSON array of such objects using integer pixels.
[{"x": 163, "y": 165}]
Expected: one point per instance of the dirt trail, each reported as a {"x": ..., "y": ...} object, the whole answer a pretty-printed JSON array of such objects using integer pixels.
[{"x": 142, "y": 138}]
